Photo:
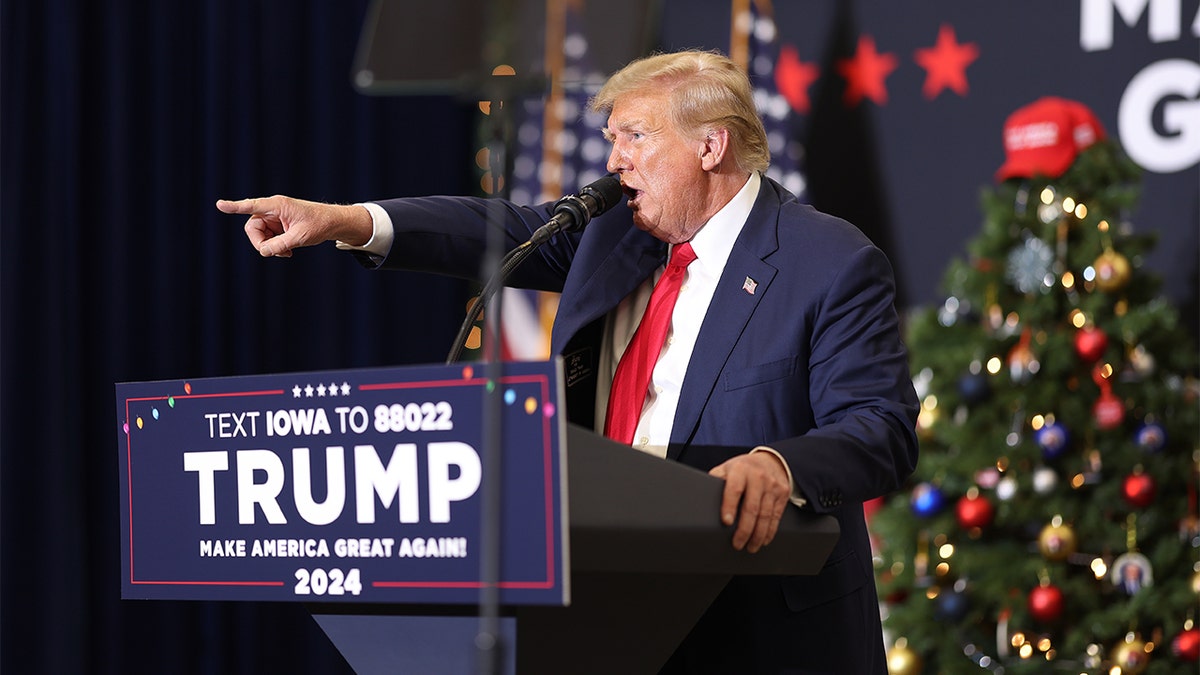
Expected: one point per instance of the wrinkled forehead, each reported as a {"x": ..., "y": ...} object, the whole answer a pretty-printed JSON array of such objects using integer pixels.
[{"x": 644, "y": 109}]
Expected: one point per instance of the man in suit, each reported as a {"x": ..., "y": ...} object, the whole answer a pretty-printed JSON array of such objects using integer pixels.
[{"x": 783, "y": 372}]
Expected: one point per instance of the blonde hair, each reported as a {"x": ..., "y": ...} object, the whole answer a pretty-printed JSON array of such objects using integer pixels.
[{"x": 707, "y": 91}]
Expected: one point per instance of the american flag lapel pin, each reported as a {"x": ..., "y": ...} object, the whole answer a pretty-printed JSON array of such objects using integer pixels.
[{"x": 750, "y": 286}]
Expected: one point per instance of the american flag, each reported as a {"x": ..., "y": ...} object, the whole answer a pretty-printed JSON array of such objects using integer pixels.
[
  {"x": 754, "y": 34},
  {"x": 559, "y": 144},
  {"x": 559, "y": 147}
]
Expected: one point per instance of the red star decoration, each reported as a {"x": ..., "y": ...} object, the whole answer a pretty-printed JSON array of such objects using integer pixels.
[
  {"x": 793, "y": 77},
  {"x": 866, "y": 72},
  {"x": 946, "y": 63}
]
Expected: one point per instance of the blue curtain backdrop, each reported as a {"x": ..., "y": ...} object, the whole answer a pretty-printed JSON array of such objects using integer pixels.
[{"x": 123, "y": 121}]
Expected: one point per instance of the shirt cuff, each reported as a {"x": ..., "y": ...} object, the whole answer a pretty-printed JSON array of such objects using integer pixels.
[
  {"x": 382, "y": 234},
  {"x": 795, "y": 497}
]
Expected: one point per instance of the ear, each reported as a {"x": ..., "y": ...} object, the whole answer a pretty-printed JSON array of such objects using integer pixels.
[{"x": 713, "y": 148}]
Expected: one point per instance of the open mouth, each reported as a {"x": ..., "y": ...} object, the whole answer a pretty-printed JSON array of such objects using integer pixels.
[{"x": 631, "y": 193}]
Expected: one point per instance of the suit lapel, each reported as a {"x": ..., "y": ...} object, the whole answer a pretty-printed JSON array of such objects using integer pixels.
[
  {"x": 746, "y": 279},
  {"x": 599, "y": 283}
]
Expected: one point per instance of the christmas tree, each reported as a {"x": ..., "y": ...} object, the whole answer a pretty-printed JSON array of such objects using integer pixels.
[{"x": 1051, "y": 525}]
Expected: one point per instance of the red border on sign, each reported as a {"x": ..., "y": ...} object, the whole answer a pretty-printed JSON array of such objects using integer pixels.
[{"x": 547, "y": 468}]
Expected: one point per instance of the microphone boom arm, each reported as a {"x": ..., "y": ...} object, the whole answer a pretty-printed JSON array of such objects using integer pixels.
[{"x": 571, "y": 213}]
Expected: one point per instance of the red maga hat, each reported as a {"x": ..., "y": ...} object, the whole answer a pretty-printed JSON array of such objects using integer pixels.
[{"x": 1044, "y": 137}]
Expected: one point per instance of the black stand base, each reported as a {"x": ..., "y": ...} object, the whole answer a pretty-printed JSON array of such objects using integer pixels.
[{"x": 617, "y": 623}]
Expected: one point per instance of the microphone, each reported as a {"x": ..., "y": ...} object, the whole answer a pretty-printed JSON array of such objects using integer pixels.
[{"x": 572, "y": 212}]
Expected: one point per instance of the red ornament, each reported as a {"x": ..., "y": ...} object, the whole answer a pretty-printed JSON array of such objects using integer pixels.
[
  {"x": 1090, "y": 343},
  {"x": 1022, "y": 363},
  {"x": 1186, "y": 645},
  {"x": 974, "y": 511},
  {"x": 1138, "y": 490},
  {"x": 1046, "y": 603},
  {"x": 1108, "y": 411}
]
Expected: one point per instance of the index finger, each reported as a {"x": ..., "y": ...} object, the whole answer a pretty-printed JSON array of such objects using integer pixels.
[
  {"x": 735, "y": 485},
  {"x": 245, "y": 206}
]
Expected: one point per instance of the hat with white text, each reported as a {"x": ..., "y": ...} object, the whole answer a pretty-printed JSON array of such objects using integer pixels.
[{"x": 1044, "y": 138}]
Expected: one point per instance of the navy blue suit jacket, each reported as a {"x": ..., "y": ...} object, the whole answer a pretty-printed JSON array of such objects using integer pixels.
[{"x": 810, "y": 363}]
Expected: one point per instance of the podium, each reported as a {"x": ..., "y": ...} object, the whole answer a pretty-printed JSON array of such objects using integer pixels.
[
  {"x": 358, "y": 494},
  {"x": 648, "y": 555}
]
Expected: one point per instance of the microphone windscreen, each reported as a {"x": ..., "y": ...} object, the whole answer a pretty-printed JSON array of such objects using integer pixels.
[{"x": 606, "y": 191}]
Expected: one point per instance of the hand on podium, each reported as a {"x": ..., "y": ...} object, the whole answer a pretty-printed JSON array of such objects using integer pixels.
[
  {"x": 759, "y": 481},
  {"x": 279, "y": 224}
]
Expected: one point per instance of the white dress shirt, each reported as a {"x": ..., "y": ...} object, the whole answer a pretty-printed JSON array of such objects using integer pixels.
[{"x": 712, "y": 245}]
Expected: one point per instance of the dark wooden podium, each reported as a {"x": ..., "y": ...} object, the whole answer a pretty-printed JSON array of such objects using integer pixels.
[{"x": 647, "y": 556}]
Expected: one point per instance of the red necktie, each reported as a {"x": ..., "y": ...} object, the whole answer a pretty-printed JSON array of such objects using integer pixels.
[{"x": 630, "y": 384}]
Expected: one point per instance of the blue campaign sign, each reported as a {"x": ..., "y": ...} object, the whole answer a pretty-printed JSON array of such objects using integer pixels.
[{"x": 354, "y": 485}]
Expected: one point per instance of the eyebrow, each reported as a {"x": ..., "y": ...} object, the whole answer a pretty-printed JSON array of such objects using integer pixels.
[{"x": 625, "y": 126}]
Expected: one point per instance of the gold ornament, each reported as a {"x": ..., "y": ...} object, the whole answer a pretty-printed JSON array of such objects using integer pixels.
[
  {"x": 1131, "y": 656},
  {"x": 1141, "y": 361},
  {"x": 1112, "y": 271},
  {"x": 1057, "y": 541},
  {"x": 926, "y": 419},
  {"x": 903, "y": 661}
]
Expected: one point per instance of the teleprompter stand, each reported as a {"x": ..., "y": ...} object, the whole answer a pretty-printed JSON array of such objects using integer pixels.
[
  {"x": 497, "y": 53},
  {"x": 647, "y": 556}
]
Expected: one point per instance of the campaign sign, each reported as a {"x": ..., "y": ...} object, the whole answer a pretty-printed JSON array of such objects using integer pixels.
[{"x": 355, "y": 486}]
